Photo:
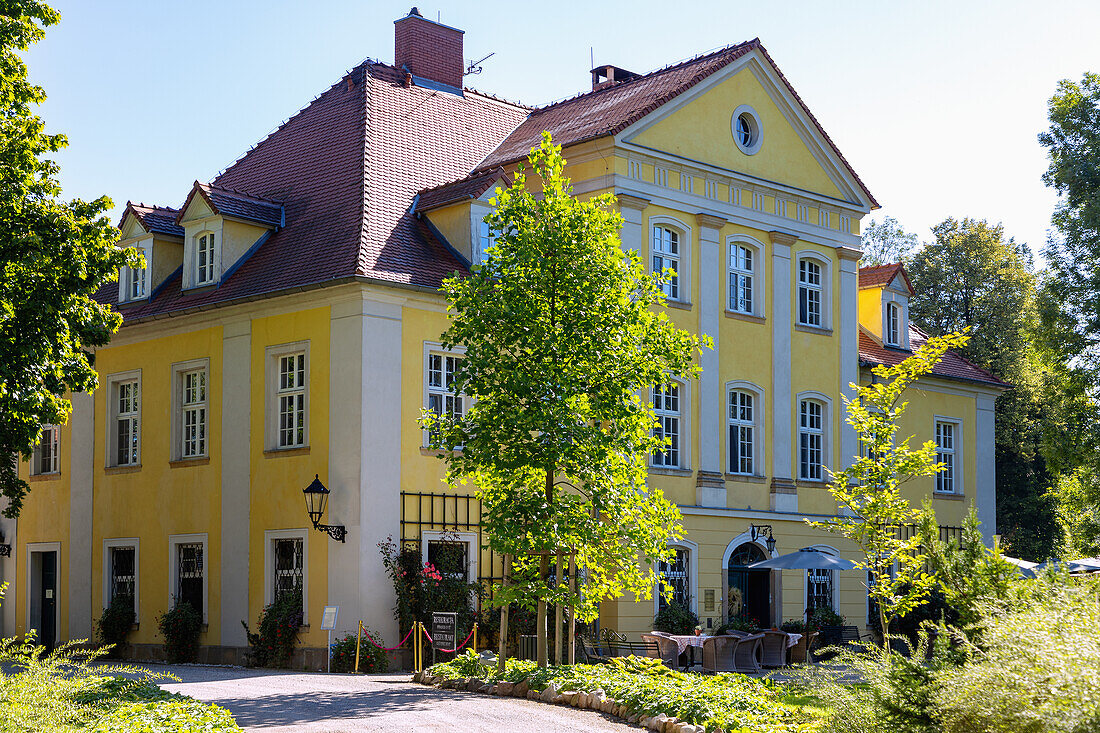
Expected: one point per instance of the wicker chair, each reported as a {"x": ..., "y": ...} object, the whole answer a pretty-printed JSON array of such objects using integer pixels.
[
  {"x": 799, "y": 653},
  {"x": 774, "y": 649},
  {"x": 746, "y": 655},
  {"x": 735, "y": 632},
  {"x": 667, "y": 648},
  {"x": 718, "y": 654}
]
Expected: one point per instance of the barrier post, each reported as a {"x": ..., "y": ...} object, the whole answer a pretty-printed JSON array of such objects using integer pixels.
[
  {"x": 358, "y": 638},
  {"x": 475, "y": 637},
  {"x": 419, "y": 647}
]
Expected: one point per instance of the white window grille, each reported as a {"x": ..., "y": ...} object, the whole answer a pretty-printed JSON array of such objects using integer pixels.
[
  {"x": 442, "y": 398},
  {"x": 809, "y": 293},
  {"x": 945, "y": 454},
  {"x": 741, "y": 278},
  {"x": 666, "y": 407},
  {"x": 666, "y": 254},
  {"x": 741, "y": 431},
  {"x": 46, "y": 452},
  {"x": 204, "y": 258},
  {"x": 127, "y": 401},
  {"x": 810, "y": 439},
  {"x": 194, "y": 414},
  {"x": 291, "y": 400},
  {"x": 137, "y": 283}
]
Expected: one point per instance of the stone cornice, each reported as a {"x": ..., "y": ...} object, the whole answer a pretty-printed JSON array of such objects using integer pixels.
[{"x": 626, "y": 201}]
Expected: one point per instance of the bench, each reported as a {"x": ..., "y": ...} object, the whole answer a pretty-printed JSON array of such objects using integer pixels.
[{"x": 600, "y": 651}]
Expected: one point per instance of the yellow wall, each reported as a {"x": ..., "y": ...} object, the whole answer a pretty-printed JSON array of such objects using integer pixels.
[
  {"x": 870, "y": 311},
  {"x": 453, "y": 222}
]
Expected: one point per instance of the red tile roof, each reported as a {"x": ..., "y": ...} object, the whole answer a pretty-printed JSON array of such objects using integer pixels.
[
  {"x": 470, "y": 187},
  {"x": 878, "y": 276},
  {"x": 952, "y": 366},
  {"x": 154, "y": 219},
  {"x": 227, "y": 202},
  {"x": 610, "y": 110}
]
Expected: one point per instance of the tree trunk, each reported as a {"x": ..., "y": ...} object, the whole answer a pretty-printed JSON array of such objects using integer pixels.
[
  {"x": 502, "y": 653},
  {"x": 544, "y": 581},
  {"x": 559, "y": 610},
  {"x": 571, "y": 654}
]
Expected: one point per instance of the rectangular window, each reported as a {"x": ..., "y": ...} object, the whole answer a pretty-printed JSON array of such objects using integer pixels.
[
  {"x": 291, "y": 400},
  {"x": 127, "y": 404},
  {"x": 809, "y": 293},
  {"x": 741, "y": 280},
  {"x": 123, "y": 573},
  {"x": 189, "y": 575},
  {"x": 136, "y": 283},
  {"x": 289, "y": 568},
  {"x": 193, "y": 413},
  {"x": 204, "y": 258},
  {"x": 741, "y": 428},
  {"x": 450, "y": 558},
  {"x": 810, "y": 439},
  {"x": 945, "y": 454},
  {"x": 819, "y": 589},
  {"x": 442, "y": 398},
  {"x": 46, "y": 452},
  {"x": 893, "y": 324},
  {"x": 666, "y": 255},
  {"x": 676, "y": 574},
  {"x": 666, "y": 407}
]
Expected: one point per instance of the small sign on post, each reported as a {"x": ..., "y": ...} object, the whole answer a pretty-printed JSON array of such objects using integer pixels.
[
  {"x": 328, "y": 623},
  {"x": 444, "y": 628}
]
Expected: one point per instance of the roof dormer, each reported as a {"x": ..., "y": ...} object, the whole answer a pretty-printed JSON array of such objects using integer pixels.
[
  {"x": 456, "y": 212},
  {"x": 884, "y": 292},
  {"x": 153, "y": 231},
  {"x": 221, "y": 229}
]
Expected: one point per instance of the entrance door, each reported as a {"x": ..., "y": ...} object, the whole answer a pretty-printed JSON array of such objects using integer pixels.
[
  {"x": 47, "y": 602},
  {"x": 749, "y": 593}
]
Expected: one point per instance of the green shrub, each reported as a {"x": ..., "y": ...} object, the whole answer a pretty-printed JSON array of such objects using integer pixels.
[
  {"x": 371, "y": 658},
  {"x": 738, "y": 623},
  {"x": 180, "y": 628},
  {"x": 825, "y": 616},
  {"x": 420, "y": 587},
  {"x": 115, "y": 623},
  {"x": 793, "y": 626},
  {"x": 675, "y": 619},
  {"x": 277, "y": 632},
  {"x": 176, "y": 716}
]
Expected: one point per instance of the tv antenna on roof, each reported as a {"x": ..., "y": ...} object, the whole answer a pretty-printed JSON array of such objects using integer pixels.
[{"x": 475, "y": 66}]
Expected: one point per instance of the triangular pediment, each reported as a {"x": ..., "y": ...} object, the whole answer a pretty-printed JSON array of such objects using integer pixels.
[
  {"x": 698, "y": 126},
  {"x": 131, "y": 227}
]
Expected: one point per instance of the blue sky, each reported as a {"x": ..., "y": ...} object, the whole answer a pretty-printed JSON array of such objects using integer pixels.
[{"x": 936, "y": 104}]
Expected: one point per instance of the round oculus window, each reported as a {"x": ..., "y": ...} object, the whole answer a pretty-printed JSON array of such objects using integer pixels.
[{"x": 747, "y": 132}]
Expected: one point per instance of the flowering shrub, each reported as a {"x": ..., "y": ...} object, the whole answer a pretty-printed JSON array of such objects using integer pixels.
[
  {"x": 277, "y": 632},
  {"x": 180, "y": 628},
  {"x": 371, "y": 658},
  {"x": 115, "y": 623},
  {"x": 421, "y": 588}
]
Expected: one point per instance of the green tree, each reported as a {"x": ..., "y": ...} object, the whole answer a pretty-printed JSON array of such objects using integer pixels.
[
  {"x": 885, "y": 242},
  {"x": 870, "y": 489},
  {"x": 973, "y": 278},
  {"x": 563, "y": 347},
  {"x": 55, "y": 255}
]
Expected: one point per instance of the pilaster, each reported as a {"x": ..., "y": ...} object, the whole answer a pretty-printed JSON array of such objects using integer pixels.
[
  {"x": 784, "y": 496},
  {"x": 79, "y": 556},
  {"x": 985, "y": 464},
  {"x": 710, "y": 483},
  {"x": 631, "y": 208},
  {"x": 849, "y": 350},
  {"x": 236, "y": 391}
]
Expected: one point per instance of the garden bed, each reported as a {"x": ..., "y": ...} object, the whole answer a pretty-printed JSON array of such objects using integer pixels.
[{"x": 639, "y": 690}]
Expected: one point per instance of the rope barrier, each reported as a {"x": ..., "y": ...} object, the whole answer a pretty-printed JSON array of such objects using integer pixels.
[
  {"x": 468, "y": 637},
  {"x": 390, "y": 648}
]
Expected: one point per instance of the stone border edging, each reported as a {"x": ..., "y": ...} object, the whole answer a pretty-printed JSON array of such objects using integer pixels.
[{"x": 597, "y": 700}]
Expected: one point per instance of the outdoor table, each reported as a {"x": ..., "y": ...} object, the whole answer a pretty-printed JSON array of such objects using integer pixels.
[
  {"x": 792, "y": 639},
  {"x": 689, "y": 641}
]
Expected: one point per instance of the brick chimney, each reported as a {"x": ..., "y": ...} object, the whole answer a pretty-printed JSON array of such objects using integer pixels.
[{"x": 429, "y": 50}]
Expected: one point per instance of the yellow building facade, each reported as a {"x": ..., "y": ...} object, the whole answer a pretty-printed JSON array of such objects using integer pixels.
[{"x": 287, "y": 326}]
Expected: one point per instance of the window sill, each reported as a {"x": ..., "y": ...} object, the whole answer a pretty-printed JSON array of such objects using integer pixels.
[
  {"x": 746, "y": 478},
  {"x": 277, "y": 452},
  {"x": 121, "y": 469},
  {"x": 682, "y": 305},
  {"x": 201, "y": 287},
  {"x": 55, "y": 476},
  {"x": 437, "y": 452},
  {"x": 819, "y": 330},
  {"x": 670, "y": 471},
  {"x": 811, "y": 482},
  {"x": 184, "y": 462},
  {"x": 737, "y": 315},
  {"x": 950, "y": 496}
]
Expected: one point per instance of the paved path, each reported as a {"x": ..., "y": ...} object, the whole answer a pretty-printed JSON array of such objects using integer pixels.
[{"x": 289, "y": 702}]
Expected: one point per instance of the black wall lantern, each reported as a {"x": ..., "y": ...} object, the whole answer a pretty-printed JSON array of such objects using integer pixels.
[
  {"x": 757, "y": 531},
  {"x": 316, "y": 501}
]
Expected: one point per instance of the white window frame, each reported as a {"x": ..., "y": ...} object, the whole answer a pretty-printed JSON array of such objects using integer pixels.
[
  {"x": 51, "y": 435},
  {"x": 270, "y": 536},
  {"x": 828, "y": 550},
  {"x": 113, "y": 381},
  {"x": 179, "y": 408},
  {"x": 108, "y": 572},
  {"x": 893, "y": 323},
  {"x": 127, "y": 274},
  {"x": 758, "y": 273},
  {"x": 758, "y": 413},
  {"x": 957, "y": 477},
  {"x": 210, "y": 267},
  {"x": 693, "y": 576},
  {"x": 272, "y": 357},
  {"x": 755, "y": 129},
  {"x": 891, "y": 298},
  {"x": 433, "y": 348},
  {"x": 473, "y": 549},
  {"x": 825, "y": 433},
  {"x": 684, "y": 244},
  {"x": 680, "y": 415},
  {"x": 825, "y": 289},
  {"x": 174, "y": 541}
]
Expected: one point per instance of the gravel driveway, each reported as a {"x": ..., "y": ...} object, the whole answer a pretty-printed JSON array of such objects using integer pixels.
[{"x": 286, "y": 702}]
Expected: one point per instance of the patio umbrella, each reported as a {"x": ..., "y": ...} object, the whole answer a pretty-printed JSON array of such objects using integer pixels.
[
  {"x": 1027, "y": 568},
  {"x": 808, "y": 558},
  {"x": 1084, "y": 565}
]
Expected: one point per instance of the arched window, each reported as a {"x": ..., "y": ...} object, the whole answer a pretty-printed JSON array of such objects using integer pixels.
[
  {"x": 741, "y": 415},
  {"x": 666, "y": 408},
  {"x": 741, "y": 278},
  {"x": 811, "y": 439},
  {"x": 893, "y": 324},
  {"x": 810, "y": 293},
  {"x": 666, "y": 255}
]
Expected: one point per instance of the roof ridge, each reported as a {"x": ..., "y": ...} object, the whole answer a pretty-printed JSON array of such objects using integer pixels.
[
  {"x": 361, "y": 256},
  {"x": 468, "y": 177},
  {"x": 957, "y": 355},
  {"x": 243, "y": 194}
]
